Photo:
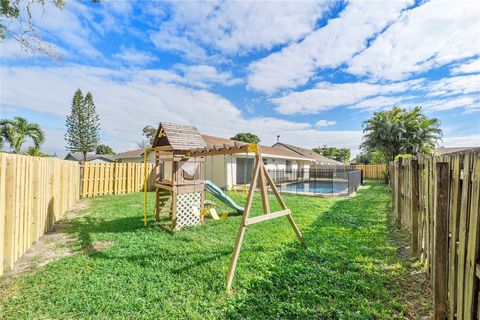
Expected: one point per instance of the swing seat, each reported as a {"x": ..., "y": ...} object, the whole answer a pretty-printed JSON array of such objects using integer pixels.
[
  {"x": 224, "y": 215},
  {"x": 214, "y": 214}
]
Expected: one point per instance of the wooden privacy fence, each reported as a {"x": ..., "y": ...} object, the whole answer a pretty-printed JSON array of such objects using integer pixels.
[
  {"x": 372, "y": 171},
  {"x": 437, "y": 199},
  {"x": 34, "y": 194},
  {"x": 114, "y": 178}
]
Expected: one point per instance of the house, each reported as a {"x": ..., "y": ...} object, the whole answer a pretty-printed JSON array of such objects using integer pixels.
[
  {"x": 227, "y": 171},
  {"x": 318, "y": 158},
  {"x": 134, "y": 156},
  {"x": 78, "y": 156},
  {"x": 456, "y": 150}
]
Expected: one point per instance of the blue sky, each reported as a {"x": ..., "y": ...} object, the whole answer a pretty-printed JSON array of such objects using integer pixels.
[{"x": 308, "y": 71}]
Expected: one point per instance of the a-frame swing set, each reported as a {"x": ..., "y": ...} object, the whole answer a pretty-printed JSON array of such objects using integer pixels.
[{"x": 259, "y": 174}]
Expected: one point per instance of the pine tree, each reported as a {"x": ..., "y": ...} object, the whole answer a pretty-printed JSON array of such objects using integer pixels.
[{"x": 82, "y": 125}]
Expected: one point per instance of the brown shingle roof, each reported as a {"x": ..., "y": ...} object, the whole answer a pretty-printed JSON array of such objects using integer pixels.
[
  {"x": 307, "y": 153},
  {"x": 178, "y": 136},
  {"x": 131, "y": 154}
]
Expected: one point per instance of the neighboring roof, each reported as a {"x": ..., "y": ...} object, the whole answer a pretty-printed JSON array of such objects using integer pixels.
[
  {"x": 178, "y": 136},
  {"x": 78, "y": 156},
  {"x": 137, "y": 153},
  {"x": 266, "y": 150},
  {"x": 451, "y": 150},
  {"x": 307, "y": 153}
]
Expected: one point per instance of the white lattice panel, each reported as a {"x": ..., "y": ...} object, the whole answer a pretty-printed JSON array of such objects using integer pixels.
[{"x": 185, "y": 204}]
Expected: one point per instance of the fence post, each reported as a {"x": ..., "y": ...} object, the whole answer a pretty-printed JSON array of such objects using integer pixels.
[
  {"x": 440, "y": 241},
  {"x": 399, "y": 191},
  {"x": 361, "y": 176},
  {"x": 414, "y": 206}
]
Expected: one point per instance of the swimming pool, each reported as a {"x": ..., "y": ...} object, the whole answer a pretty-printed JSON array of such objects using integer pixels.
[{"x": 316, "y": 187}]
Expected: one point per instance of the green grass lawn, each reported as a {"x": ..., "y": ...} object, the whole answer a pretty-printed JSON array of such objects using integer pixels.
[{"x": 350, "y": 270}]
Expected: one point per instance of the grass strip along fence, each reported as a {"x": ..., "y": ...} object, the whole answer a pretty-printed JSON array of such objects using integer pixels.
[
  {"x": 437, "y": 199},
  {"x": 34, "y": 194}
]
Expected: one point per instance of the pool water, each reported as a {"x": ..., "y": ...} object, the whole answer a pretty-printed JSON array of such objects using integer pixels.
[{"x": 316, "y": 187}]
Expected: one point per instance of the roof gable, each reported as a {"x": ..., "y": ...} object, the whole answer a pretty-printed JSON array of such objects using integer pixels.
[
  {"x": 178, "y": 137},
  {"x": 306, "y": 153}
]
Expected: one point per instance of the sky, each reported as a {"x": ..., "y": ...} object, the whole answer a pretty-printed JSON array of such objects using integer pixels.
[{"x": 310, "y": 72}]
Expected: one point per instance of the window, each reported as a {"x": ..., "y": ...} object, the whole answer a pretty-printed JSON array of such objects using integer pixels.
[{"x": 288, "y": 166}]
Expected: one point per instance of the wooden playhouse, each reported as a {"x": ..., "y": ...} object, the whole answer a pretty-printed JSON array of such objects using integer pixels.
[{"x": 179, "y": 180}]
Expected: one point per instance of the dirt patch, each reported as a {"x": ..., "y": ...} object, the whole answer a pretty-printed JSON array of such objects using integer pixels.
[
  {"x": 96, "y": 246},
  {"x": 417, "y": 294},
  {"x": 53, "y": 245},
  {"x": 78, "y": 210}
]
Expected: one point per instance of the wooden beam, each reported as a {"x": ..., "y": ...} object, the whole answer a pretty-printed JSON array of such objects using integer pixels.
[
  {"x": 473, "y": 248},
  {"x": 263, "y": 189},
  {"x": 399, "y": 190},
  {"x": 241, "y": 230},
  {"x": 440, "y": 241},
  {"x": 266, "y": 217},
  {"x": 414, "y": 208},
  {"x": 274, "y": 189},
  {"x": 213, "y": 152},
  {"x": 284, "y": 207}
]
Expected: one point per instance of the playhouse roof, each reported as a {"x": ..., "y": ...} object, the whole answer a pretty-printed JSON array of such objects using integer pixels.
[{"x": 178, "y": 137}]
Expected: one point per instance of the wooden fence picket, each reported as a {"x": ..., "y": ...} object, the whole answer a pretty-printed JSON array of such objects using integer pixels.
[
  {"x": 34, "y": 193},
  {"x": 446, "y": 228}
]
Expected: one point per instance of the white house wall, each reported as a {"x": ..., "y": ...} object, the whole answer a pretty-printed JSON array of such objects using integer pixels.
[
  {"x": 222, "y": 170},
  {"x": 216, "y": 169}
]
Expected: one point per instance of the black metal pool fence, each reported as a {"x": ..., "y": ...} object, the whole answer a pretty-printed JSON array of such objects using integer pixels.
[{"x": 341, "y": 180}]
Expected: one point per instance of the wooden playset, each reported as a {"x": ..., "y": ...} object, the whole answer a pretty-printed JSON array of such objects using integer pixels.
[{"x": 179, "y": 153}]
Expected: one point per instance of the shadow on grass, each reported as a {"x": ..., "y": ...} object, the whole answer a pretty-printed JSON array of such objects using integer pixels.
[
  {"x": 85, "y": 227},
  {"x": 347, "y": 271}
]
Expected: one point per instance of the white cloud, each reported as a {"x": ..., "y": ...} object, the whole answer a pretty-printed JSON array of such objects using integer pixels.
[
  {"x": 468, "y": 84},
  {"x": 327, "y": 95},
  {"x": 330, "y": 46},
  {"x": 452, "y": 103},
  {"x": 469, "y": 67},
  {"x": 204, "y": 75},
  {"x": 462, "y": 141},
  {"x": 325, "y": 123},
  {"x": 235, "y": 27},
  {"x": 127, "y": 100},
  {"x": 377, "y": 103},
  {"x": 431, "y": 35},
  {"x": 134, "y": 57}
]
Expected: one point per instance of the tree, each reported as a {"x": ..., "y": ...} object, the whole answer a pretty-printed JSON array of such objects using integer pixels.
[
  {"x": 103, "y": 149},
  {"x": 400, "y": 131},
  {"x": 17, "y": 131},
  {"x": 82, "y": 125},
  {"x": 373, "y": 157},
  {"x": 339, "y": 154},
  {"x": 36, "y": 152},
  {"x": 246, "y": 137},
  {"x": 149, "y": 133},
  {"x": 18, "y": 23}
]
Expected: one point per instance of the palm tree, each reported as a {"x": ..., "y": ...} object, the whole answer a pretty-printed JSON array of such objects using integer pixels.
[
  {"x": 17, "y": 131},
  {"x": 400, "y": 131}
]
